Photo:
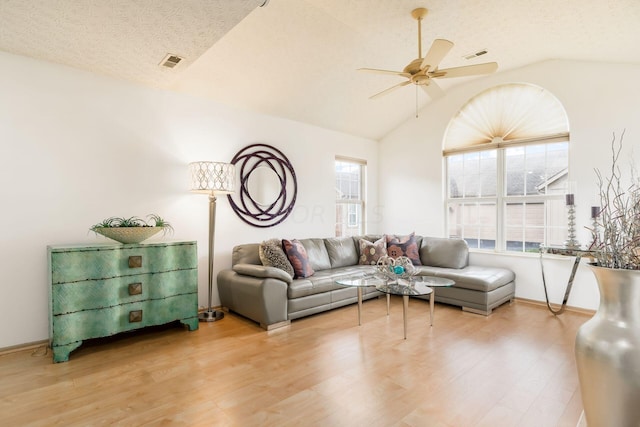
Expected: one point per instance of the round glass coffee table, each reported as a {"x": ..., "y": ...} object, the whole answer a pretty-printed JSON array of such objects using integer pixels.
[{"x": 416, "y": 286}]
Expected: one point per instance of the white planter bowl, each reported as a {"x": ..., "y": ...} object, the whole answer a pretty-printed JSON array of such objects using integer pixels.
[{"x": 128, "y": 234}]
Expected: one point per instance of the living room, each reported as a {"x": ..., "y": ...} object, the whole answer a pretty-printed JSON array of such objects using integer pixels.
[{"x": 81, "y": 146}]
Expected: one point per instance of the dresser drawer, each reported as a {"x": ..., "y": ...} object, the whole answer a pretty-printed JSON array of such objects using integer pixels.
[
  {"x": 92, "y": 294},
  {"x": 81, "y": 325},
  {"x": 96, "y": 262}
]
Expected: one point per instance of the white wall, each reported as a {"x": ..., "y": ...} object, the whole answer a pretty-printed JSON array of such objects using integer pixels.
[
  {"x": 599, "y": 98},
  {"x": 77, "y": 148}
]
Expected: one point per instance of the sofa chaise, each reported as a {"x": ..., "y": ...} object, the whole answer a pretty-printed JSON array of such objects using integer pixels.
[{"x": 270, "y": 295}]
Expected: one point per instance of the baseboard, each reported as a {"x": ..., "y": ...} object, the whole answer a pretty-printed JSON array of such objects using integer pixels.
[
  {"x": 22, "y": 347},
  {"x": 556, "y": 306}
]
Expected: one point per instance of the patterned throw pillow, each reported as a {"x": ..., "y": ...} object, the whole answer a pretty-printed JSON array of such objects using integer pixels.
[
  {"x": 272, "y": 255},
  {"x": 398, "y": 246},
  {"x": 298, "y": 257},
  {"x": 370, "y": 252}
]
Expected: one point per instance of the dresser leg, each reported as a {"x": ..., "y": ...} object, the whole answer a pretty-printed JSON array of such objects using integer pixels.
[
  {"x": 191, "y": 322},
  {"x": 61, "y": 352}
]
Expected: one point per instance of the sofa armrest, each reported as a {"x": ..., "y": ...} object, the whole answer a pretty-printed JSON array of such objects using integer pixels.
[
  {"x": 262, "y": 272},
  {"x": 263, "y": 300}
]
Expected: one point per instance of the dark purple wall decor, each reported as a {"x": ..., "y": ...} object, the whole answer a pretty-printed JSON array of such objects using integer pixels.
[{"x": 257, "y": 159}]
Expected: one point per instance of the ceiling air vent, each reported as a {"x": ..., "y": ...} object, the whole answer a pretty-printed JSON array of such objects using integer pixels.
[
  {"x": 475, "y": 54},
  {"x": 171, "y": 61}
]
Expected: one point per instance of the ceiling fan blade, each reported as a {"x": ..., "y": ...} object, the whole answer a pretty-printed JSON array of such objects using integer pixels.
[
  {"x": 467, "y": 70},
  {"x": 433, "y": 90},
  {"x": 394, "y": 73},
  {"x": 391, "y": 89},
  {"x": 438, "y": 50}
]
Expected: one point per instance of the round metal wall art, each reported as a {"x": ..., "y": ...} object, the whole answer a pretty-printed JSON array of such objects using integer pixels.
[{"x": 268, "y": 186}]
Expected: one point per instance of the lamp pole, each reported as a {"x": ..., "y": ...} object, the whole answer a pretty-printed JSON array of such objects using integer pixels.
[{"x": 211, "y": 315}]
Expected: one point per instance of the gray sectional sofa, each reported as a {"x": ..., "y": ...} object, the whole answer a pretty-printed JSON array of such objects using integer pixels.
[{"x": 271, "y": 297}]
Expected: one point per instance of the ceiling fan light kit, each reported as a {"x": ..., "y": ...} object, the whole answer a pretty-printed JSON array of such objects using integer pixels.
[{"x": 423, "y": 70}]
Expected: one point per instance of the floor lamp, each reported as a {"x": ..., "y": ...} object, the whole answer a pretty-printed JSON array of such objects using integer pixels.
[{"x": 212, "y": 178}]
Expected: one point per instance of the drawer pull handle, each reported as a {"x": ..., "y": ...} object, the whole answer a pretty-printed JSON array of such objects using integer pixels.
[
  {"x": 135, "y": 261},
  {"x": 135, "y": 316},
  {"x": 135, "y": 288}
]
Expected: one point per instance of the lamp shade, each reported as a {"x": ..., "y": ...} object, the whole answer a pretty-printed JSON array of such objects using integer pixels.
[{"x": 212, "y": 177}]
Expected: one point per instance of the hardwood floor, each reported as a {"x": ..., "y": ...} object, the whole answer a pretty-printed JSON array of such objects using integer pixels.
[{"x": 513, "y": 368}]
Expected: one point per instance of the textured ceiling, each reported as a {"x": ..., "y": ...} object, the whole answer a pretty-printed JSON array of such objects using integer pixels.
[
  {"x": 297, "y": 59},
  {"x": 120, "y": 38}
]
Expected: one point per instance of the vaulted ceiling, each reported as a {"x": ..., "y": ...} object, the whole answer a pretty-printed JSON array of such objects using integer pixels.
[{"x": 297, "y": 59}]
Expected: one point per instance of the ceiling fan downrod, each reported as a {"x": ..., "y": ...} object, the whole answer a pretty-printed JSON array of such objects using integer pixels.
[{"x": 419, "y": 14}]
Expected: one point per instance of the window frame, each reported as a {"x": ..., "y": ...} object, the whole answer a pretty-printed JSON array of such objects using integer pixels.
[
  {"x": 501, "y": 200},
  {"x": 360, "y": 203}
]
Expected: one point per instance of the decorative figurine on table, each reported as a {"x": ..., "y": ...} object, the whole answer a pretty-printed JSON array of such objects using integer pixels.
[
  {"x": 395, "y": 268},
  {"x": 571, "y": 242}
]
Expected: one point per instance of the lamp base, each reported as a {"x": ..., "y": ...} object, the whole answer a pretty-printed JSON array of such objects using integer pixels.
[{"x": 210, "y": 315}]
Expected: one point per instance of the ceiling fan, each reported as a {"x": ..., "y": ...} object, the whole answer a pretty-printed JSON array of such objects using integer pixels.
[{"x": 423, "y": 70}]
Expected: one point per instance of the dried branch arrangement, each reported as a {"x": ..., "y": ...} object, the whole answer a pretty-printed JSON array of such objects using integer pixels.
[{"x": 616, "y": 240}]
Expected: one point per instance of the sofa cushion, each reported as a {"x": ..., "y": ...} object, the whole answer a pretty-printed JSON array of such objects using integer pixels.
[
  {"x": 484, "y": 279},
  {"x": 298, "y": 257},
  {"x": 408, "y": 246},
  {"x": 321, "y": 282},
  {"x": 324, "y": 281},
  {"x": 272, "y": 255},
  {"x": 317, "y": 252},
  {"x": 370, "y": 252},
  {"x": 342, "y": 251},
  {"x": 443, "y": 252}
]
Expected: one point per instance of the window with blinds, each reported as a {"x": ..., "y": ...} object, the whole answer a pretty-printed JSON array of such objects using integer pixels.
[{"x": 507, "y": 168}]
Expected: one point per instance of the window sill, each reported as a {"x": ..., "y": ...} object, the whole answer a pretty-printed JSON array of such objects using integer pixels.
[
  {"x": 507, "y": 254},
  {"x": 528, "y": 255}
]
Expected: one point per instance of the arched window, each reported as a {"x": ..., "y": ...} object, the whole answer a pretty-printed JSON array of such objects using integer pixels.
[{"x": 507, "y": 153}]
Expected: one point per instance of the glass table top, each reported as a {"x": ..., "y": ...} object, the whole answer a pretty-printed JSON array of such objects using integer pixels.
[
  {"x": 362, "y": 281},
  {"x": 563, "y": 250},
  {"x": 433, "y": 281},
  {"x": 405, "y": 287},
  {"x": 417, "y": 284}
]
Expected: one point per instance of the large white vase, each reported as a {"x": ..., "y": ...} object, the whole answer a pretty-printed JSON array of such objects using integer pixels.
[{"x": 608, "y": 352}]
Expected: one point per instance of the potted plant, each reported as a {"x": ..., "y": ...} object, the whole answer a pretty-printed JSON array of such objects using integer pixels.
[
  {"x": 133, "y": 229},
  {"x": 607, "y": 346}
]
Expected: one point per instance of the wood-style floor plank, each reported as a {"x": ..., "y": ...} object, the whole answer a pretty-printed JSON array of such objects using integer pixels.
[{"x": 513, "y": 368}]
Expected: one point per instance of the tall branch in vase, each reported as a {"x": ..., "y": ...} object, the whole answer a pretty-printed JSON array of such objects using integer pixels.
[{"x": 616, "y": 239}]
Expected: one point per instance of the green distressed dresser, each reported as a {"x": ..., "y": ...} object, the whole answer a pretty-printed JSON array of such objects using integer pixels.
[{"x": 101, "y": 290}]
